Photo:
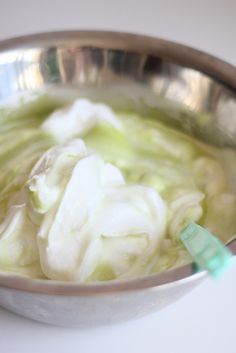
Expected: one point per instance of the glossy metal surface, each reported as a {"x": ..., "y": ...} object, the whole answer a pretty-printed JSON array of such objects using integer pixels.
[{"x": 184, "y": 87}]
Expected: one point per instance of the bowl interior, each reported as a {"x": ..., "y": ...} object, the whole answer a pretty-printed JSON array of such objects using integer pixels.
[{"x": 128, "y": 72}]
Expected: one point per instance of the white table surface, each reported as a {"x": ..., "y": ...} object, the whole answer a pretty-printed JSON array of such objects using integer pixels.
[{"x": 205, "y": 320}]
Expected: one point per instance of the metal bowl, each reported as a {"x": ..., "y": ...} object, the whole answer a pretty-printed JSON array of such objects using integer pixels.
[{"x": 186, "y": 88}]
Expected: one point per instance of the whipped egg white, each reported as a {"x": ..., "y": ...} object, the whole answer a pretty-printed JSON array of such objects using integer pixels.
[{"x": 90, "y": 195}]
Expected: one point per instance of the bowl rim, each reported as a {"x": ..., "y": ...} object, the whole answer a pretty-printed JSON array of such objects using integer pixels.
[
  {"x": 176, "y": 52},
  {"x": 168, "y": 279},
  {"x": 171, "y": 51}
]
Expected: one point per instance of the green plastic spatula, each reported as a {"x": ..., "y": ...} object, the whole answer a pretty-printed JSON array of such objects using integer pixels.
[{"x": 206, "y": 250}]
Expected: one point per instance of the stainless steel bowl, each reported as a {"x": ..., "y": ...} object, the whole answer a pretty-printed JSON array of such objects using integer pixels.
[{"x": 184, "y": 87}]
